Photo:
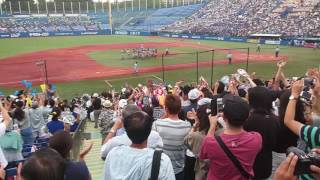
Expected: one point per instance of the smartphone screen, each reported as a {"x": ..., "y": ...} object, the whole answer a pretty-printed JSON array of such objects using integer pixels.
[{"x": 219, "y": 106}]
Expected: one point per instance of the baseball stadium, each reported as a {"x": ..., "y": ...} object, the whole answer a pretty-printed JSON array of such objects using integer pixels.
[{"x": 81, "y": 63}]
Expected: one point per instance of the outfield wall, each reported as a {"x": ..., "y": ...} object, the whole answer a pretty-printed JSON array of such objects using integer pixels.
[
  {"x": 230, "y": 39},
  {"x": 46, "y": 34},
  {"x": 284, "y": 42},
  {"x": 74, "y": 33}
]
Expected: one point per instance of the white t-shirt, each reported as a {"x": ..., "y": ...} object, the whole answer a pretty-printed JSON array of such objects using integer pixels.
[
  {"x": 127, "y": 163},
  {"x": 154, "y": 141},
  {"x": 3, "y": 161},
  {"x": 2, "y": 129}
]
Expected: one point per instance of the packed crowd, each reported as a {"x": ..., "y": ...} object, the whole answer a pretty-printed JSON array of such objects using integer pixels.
[
  {"x": 245, "y": 17},
  {"x": 241, "y": 128},
  {"x": 49, "y": 24}
]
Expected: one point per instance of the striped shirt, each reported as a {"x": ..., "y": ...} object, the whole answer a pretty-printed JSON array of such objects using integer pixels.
[
  {"x": 310, "y": 135},
  {"x": 173, "y": 133}
]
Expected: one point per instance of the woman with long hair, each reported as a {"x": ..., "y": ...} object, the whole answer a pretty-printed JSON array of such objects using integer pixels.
[
  {"x": 20, "y": 117},
  {"x": 194, "y": 140}
]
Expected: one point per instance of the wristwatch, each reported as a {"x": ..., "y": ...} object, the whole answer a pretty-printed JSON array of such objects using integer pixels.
[{"x": 293, "y": 98}]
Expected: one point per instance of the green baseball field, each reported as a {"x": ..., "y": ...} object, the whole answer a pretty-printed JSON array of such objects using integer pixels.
[{"x": 88, "y": 64}]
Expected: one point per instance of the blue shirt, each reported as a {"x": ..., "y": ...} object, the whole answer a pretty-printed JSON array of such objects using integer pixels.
[
  {"x": 127, "y": 163},
  {"x": 190, "y": 107},
  {"x": 55, "y": 125},
  {"x": 76, "y": 170},
  {"x": 74, "y": 127}
]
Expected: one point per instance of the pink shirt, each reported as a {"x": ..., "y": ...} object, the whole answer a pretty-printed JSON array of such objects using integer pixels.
[{"x": 245, "y": 146}]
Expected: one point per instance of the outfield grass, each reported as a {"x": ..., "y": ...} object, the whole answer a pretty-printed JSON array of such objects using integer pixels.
[
  {"x": 300, "y": 59},
  {"x": 14, "y": 46}
]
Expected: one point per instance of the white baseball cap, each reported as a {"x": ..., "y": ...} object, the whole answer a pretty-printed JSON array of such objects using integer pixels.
[
  {"x": 123, "y": 103},
  {"x": 204, "y": 101},
  {"x": 194, "y": 94}
]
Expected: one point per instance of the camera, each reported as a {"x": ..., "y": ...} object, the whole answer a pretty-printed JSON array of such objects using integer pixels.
[
  {"x": 305, "y": 97},
  {"x": 304, "y": 160}
]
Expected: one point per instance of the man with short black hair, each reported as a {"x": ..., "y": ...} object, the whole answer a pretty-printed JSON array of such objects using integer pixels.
[
  {"x": 173, "y": 132},
  {"x": 135, "y": 161},
  {"x": 112, "y": 141},
  {"x": 243, "y": 145}
]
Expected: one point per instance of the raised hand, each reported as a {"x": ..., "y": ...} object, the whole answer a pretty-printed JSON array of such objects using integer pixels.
[
  {"x": 297, "y": 88},
  {"x": 286, "y": 169},
  {"x": 2, "y": 172},
  {"x": 281, "y": 64},
  {"x": 85, "y": 151}
]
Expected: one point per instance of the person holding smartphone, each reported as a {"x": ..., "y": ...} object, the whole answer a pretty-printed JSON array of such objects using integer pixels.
[{"x": 242, "y": 144}]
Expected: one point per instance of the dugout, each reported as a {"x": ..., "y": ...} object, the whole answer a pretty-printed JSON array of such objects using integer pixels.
[
  {"x": 265, "y": 38},
  {"x": 312, "y": 42}
]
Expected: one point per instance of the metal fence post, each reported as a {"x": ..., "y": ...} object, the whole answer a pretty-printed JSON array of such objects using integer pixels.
[
  {"x": 197, "y": 67},
  {"x": 248, "y": 54},
  {"x": 162, "y": 68},
  {"x": 212, "y": 61}
]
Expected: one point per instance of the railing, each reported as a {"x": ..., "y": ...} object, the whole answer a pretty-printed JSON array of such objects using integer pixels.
[{"x": 78, "y": 137}]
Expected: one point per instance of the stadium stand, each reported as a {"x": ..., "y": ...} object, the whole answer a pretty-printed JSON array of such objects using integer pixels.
[
  {"x": 150, "y": 20},
  {"x": 154, "y": 20},
  {"x": 245, "y": 17},
  {"x": 27, "y": 23}
]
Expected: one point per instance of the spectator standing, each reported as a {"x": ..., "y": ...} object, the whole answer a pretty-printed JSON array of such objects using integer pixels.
[
  {"x": 111, "y": 141},
  {"x": 184, "y": 96},
  {"x": 135, "y": 68},
  {"x": 55, "y": 124},
  {"x": 106, "y": 118},
  {"x": 243, "y": 145},
  {"x": 47, "y": 109},
  {"x": 4, "y": 123},
  {"x": 258, "y": 48},
  {"x": 135, "y": 161},
  {"x": 229, "y": 57},
  {"x": 96, "y": 104},
  {"x": 309, "y": 134},
  {"x": 194, "y": 140},
  {"x": 263, "y": 121},
  {"x": 277, "y": 51},
  {"x": 36, "y": 116},
  {"x": 23, "y": 121},
  {"x": 193, "y": 96},
  {"x": 173, "y": 132}
]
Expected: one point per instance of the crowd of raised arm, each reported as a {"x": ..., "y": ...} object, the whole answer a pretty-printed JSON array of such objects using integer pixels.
[{"x": 242, "y": 127}]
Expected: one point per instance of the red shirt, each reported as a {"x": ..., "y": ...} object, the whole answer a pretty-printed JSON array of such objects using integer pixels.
[{"x": 245, "y": 146}]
